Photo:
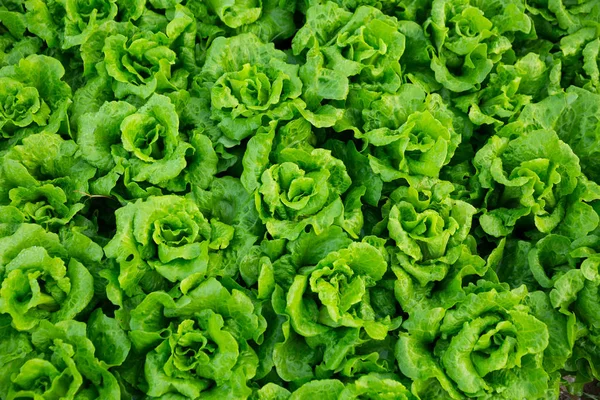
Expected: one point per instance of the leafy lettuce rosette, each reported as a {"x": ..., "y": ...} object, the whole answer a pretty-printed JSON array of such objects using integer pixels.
[
  {"x": 561, "y": 273},
  {"x": 250, "y": 83},
  {"x": 565, "y": 16},
  {"x": 470, "y": 37},
  {"x": 275, "y": 261},
  {"x": 574, "y": 115},
  {"x": 14, "y": 44},
  {"x": 142, "y": 53},
  {"x": 529, "y": 180},
  {"x": 270, "y": 269},
  {"x": 580, "y": 63},
  {"x": 276, "y": 22},
  {"x": 198, "y": 345},
  {"x": 164, "y": 237},
  {"x": 43, "y": 277},
  {"x": 302, "y": 188},
  {"x": 142, "y": 64},
  {"x": 320, "y": 327},
  {"x": 291, "y": 142},
  {"x": 33, "y": 97},
  {"x": 269, "y": 20},
  {"x": 235, "y": 13},
  {"x": 487, "y": 345},
  {"x": 410, "y": 135},
  {"x": 567, "y": 270},
  {"x": 348, "y": 52},
  {"x": 510, "y": 89},
  {"x": 141, "y": 152},
  {"x": 264, "y": 148},
  {"x": 71, "y": 23},
  {"x": 82, "y": 17},
  {"x": 61, "y": 361},
  {"x": 46, "y": 178},
  {"x": 430, "y": 229},
  {"x": 372, "y": 385},
  {"x": 338, "y": 292}
]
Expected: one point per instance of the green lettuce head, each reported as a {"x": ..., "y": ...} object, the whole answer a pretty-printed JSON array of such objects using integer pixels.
[
  {"x": 45, "y": 177},
  {"x": 42, "y": 279},
  {"x": 430, "y": 229},
  {"x": 487, "y": 345},
  {"x": 580, "y": 51},
  {"x": 143, "y": 149},
  {"x": 235, "y": 13},
  {"x": 302, "y": 189},
  {"x": 276, "y": 22},
  {"x": 198, "y": 345},
  {"x": 62, "y": 364},
  {"x": 33, "y": 97},
  {"x": 565, "y": 16},
  {"x": 344, "y": 48},
  {"x": 338, "y": 292},
  {"x": 164, "y": 237},
  {"x": 14, "y": 44},
  {"x": 328, "y": 348},
  {"x": 420, "y": 146},
  {"x": 250, "y": 83},
  {"x": 141, "y": 65},
  {"x": 510, "y": 89},
  {"x": 368, "y": 386},
  {"x": 531, "y": 178},
  {"x": 275, "y": 145},
  {"x": 568, "y": 271},
  {"x": 275, "y": 261},
  {"x": 469, "y": 37},
  {"x": 574, "y": 115},
  {"x": 83, "y": 16},
  {"x": 565, "y": 266}
]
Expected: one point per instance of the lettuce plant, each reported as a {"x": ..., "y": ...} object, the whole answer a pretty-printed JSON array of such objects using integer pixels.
[
  {"x": 42, "y": 279},
  {"x": 82, "y": 17},
  {"x": 529, "y": 176},
  {"x": 255, "y": 83},
  {"x": 365, "y": 44},
  {"x": 487, "y": 344},
  {"x": 33, "y": 97},
  {"x": 198, "y": 345},
  {"x": 301, "y": 189},
  {"x": 141, "y": 149},
  {"x": 46, "y": 178},
  {"x": 61, "y": 362},
  {"x": 510, "y": 89},
  {"x": 429, "y": 228},
  {"x": 578, "y": 132},
  {"x": 337, "y": 289},
  {"x": 14, "y": 44},
  {"x": 167, "y": 235},
  {"x": 140, "y": 65},
  {"x": 470, "y": 37},
  {"x": 423, "y": 143}
]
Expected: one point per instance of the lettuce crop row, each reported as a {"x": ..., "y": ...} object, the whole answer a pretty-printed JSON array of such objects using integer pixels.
[{"x": 299, "y": 199}]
